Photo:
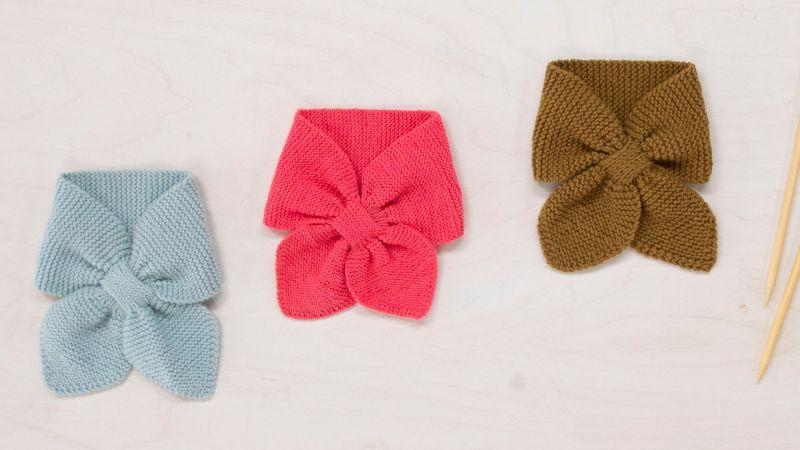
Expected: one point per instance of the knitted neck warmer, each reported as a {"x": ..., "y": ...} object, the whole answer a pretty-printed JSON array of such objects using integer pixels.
[
  {"x": 623, "y": 138},
  {"x": 368, "y": 195},
  {"x": 131, "y": 257}
]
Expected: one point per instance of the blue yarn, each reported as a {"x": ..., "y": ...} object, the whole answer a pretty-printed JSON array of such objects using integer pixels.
[{"x": 130, "y": 255}]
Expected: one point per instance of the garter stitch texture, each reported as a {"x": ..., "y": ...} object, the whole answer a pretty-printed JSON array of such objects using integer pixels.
[
  {"x": 623, "y": 138},
  {"x": 368, "y": 195},
  {"x": 131, "y": 257}
]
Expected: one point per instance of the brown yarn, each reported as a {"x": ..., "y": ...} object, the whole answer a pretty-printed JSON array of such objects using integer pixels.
[{"x": 623, "y": 138}]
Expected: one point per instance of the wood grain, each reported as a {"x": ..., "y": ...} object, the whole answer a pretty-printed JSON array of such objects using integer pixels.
[{"x": 635, "y": 354}]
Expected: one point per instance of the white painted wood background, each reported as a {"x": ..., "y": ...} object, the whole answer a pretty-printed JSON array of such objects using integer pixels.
[{"x": 636, "y": 354}]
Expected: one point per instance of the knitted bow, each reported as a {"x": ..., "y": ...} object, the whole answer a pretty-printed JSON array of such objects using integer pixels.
[
  {"x": 623, "y": 137},
  {"x": 130, "y": 254},
  {"x": 368, "y": 195}
]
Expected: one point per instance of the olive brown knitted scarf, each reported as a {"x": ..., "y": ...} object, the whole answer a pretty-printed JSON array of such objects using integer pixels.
[{"x": 623, "y": 138}]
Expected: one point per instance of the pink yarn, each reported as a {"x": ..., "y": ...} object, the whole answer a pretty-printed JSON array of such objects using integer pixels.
[{"x": 368, "y": 195}]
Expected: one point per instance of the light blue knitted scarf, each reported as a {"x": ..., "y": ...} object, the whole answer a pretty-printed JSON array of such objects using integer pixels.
[{"x": 131, "y": 256}]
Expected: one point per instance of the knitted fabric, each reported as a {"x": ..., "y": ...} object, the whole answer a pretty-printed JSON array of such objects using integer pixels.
[
  {"x": 368, "y": 195},
  {"x": 623, "y": 138},
  {"x": 131, "y": 257}
]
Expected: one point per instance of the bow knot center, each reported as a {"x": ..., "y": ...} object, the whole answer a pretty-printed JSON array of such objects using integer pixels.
[
  {"x": 355, "y": 224},
  {"x": 626, "y": 163},
  {"x": 122, "y": 284}
]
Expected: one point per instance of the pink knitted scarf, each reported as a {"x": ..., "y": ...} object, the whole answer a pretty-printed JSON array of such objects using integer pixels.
[{"x": 367, "y": 195}]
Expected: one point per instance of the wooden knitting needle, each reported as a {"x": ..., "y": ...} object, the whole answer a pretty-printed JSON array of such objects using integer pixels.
[
  {"x": 786, "y": 208},
  {"x": 780, "y": 316}
]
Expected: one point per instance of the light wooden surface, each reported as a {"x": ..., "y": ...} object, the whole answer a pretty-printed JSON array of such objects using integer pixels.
[{"x": 635, "y": 354}]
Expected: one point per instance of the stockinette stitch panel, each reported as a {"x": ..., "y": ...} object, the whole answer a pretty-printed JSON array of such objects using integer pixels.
[
  {"x": 367, "y": 195},
  {"x": 623, "y": 138},
  {"x": 130, "y": 255}
]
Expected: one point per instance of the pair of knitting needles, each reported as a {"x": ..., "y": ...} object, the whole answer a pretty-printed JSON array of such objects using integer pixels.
[{"x": 777, "y": 250}]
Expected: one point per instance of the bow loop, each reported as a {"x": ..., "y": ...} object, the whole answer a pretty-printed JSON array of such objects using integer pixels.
[
  {"x": 625, "y": 164},
  {"x": 129, "y": 292},
  {"x": 357, "y": 225}
]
